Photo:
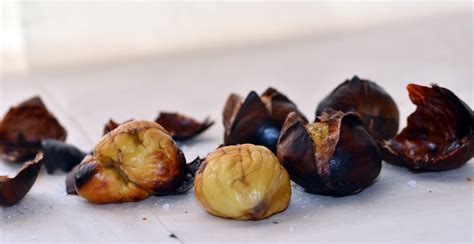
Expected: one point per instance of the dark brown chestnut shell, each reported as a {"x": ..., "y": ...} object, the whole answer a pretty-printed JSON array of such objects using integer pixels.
[
  {"x": 12, "y": 190},
  {"x": 24, "y": 126},
  {"x": 343, "y": 162},
  {"x": 375, "y": 106},
  {"x": 181, "y": 127},
  {"x": 439, "y": 134},
  {"x": 257, "y": 119}
]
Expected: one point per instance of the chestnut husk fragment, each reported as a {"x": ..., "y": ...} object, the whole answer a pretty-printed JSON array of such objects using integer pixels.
[
  {"x": 111, "y": 125},
  {"x": 12, "y": 190},
  {"x": 70, "y": 188},
  {"x": 24, "y": 126},
  {"x": 257, "y": 119},
  {"x": 182, "y": 127},
  {"x": 377, "y": 109},
  {"x": 344, "y": 162},
  {"x": 439, "y": 134},
  {"x": 187, "y": 182},
  {"x": 60, "y": 155}
]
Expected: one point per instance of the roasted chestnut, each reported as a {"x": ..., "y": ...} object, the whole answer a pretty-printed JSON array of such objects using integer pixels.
[
  {"x": 23, "y": 128},
  {"x": 439, "y": 134},
  {"x": 375, "y": 106},
  {"x": 130, "y": 163},
  {"x": 335, "y": 155},
  {"x": 12, "y": 190},
  {"x": 258, "y": 119},
  {"x": 242, "y": 182}
]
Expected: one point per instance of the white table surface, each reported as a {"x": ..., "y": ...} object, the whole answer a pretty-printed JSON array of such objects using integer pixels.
[{"x": 400, "y": 206}]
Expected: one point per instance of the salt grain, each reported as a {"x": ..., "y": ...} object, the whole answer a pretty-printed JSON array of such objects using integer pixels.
[
  {"x": 166, "y": 206},
  {"x": 412, "y": 184}
]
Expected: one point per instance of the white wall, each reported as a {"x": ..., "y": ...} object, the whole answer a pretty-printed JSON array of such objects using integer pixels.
[{"x": 84, "y": 33}]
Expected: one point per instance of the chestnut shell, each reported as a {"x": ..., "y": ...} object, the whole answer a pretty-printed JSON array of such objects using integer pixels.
[
  {"x": 12, "y": 190},
  {"x": 258, "y": 119},
  {"x": 348, "y": 160},
  {"x": 439, "y": 134},
  {"x": 24, "y": 126},
  {"x": 375, "y": 106},
  {"x": 182, "y": 127}
]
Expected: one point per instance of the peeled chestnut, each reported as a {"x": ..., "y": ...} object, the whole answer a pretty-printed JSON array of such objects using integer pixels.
[
  {"x": 377, "y": 109},
  {"x": 335, "y": 155},
  {"x": 258, "y": 119},
  {"x": 242, "y": 182},
  {"x": 23, "y": 128},
  {"x": 439, "y": 134},
  {"x": 130, "y": 163}
]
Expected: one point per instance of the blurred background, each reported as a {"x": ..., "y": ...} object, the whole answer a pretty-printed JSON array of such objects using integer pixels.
[
  {"x": 95, "y": 60},
  {"x": 45, "y": 35}
]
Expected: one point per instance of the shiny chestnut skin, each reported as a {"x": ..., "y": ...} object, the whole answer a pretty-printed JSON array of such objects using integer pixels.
[
  {"x": 375, "y": 106},
  {"x": 257, "y": 119},
  {"x": 333, "y": 156},
  {"x": 439, "y": 134},
  {"x": 23, "y": 128},
  {"x": 130, "y": 163}
]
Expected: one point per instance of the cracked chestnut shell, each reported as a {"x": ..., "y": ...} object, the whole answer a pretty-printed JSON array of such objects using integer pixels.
[
  {"x": 12, "y": 190},
  {"x": 335, "y": 155},
  {"x": 257, "y": 119},
  {"x": 439, "y": 134},
  {"x": 376, "y": 107},
  {"x": 181, "y": 127},
  {"x": 242, "y": 182},
  {"x": 24, "y": 127},
  {"x": 130, "y": 163}
]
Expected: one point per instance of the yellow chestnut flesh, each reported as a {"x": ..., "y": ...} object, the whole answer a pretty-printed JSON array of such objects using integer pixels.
[
  {"x": 137, "y": 159},
  {"x": 242, "y": 182}
]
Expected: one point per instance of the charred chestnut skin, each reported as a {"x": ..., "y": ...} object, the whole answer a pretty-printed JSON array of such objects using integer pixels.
[
  {"x": 257, "y": 119},
  {"x": 12, "y": 190},
  {"x": 24, "y": 127},
  {"x": 344, "y": 162},
  {"x": 377, "y": 109},
  {"x": 439, "y": 134}
]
